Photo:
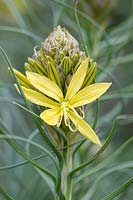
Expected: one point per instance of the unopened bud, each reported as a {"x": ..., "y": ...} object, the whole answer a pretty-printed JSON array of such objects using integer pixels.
[
  {"x": 90, "y": 75},
  {"x": 31, "y": 61},
  {"x": 28, "y": 67},
  {"x": 74, "y": 58},
  {"x": 48, "y": 58},
  {"x": 37, "y": 67},
  {"x": 66, "y": 65},
  {"x": 22, "y": 79},
  {"x": 53, "y": 73}
]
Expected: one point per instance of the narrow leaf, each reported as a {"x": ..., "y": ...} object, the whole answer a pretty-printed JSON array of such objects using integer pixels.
[
  {"x": 5, "y": 194},
  {"x": 119, "y": 190},
  {"x": 26, "y": 157}
]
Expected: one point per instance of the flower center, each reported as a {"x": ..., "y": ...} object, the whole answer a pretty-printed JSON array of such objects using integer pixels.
[
  {"x": 64, "y": 108},
  {"x": 64, "y": 104}
]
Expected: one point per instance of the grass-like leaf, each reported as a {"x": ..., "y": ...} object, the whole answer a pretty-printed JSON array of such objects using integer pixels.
[
  {"x": 36, "y": 121},
  {"x": 13, "y": 8},
  {"x": 26, "y": 157},
  {"x": 119, "y": 190},
  {"x": 106, "y": 161},
  {"x": 124, "y": 166},
  {"x": 79, "y": 30},
  {"x": 21, "y": 31},
  {"x": 5, "y": 194},
  {"x": 99, "y": 152},
  {"x": 12, "y": 137}
]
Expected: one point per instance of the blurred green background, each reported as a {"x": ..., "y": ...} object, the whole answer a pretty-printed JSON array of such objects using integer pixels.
[{"x": 107, "y": 31}]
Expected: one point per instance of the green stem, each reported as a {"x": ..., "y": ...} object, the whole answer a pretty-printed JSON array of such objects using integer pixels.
[
  {"x": 68, "y": 191},
  {"x": 65, "y": 189},
  {"x": 79, "y": 29},
  {"x": 97, "y": 114}
]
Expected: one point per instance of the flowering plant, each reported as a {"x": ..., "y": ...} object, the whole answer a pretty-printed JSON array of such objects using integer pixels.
[
  {"x": 59, "y": 82},
  {"x": 59, "y": 78}
]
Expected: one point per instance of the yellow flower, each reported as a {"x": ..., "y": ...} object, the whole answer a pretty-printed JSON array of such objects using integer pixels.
[{"x": 45, "y": 92}]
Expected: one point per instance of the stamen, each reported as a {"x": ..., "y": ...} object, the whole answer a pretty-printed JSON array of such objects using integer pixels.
[
  {"x": 81, "y": 111},
  {"x": 66, "y": 118},
  {"x": 59, "y": 123},
  {"x": 74, "y": 110},
  {"x": 67, "y": 121},
  {"x": 73, "y": 129},
  {"x": 60, "y": 119},
  {"x": 35, "y": 51}
]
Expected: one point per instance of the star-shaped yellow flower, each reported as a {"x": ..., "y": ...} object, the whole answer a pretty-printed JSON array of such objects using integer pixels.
[{"x": 61, "y": 106}]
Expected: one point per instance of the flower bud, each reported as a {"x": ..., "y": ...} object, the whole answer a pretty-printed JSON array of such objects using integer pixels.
[
  {"x": 74, "y": 58},
  {"x": 53, "y": 73},
  {"x": 66, "y": 65},
  {"x": 35, "y": 66},
  {"x": 50, "y": 59},
  {"x": 59, "y": 58},
  {"x": 61, "y": 43},
  {"x": 28, "y": 67},
  {"x": 21, "y": 78},
  {"x": 90, "y": 75}
]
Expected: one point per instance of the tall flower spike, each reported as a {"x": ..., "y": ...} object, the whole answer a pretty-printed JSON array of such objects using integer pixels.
[{"x": 62, "y": 83}]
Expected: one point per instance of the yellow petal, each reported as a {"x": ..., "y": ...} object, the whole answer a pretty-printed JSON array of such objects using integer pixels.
[
  {"x": 89, "y": 94},
  {"x": 38, "y": 98},
  {"x": 51, "y": 116},
  {"x": 77, "y": 80},
  {"x": 84, "y": 128},
  {"x": 45, "y": 85}
]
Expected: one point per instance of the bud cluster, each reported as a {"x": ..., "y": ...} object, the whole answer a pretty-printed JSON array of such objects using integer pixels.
[{"x": 58, "y": 59}]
